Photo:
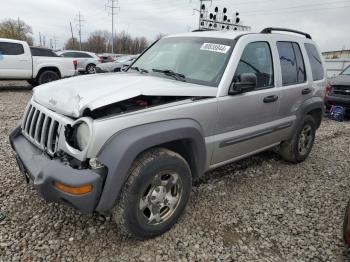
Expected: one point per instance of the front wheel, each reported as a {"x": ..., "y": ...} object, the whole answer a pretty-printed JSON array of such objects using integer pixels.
[
  {"x": 297, "y": 149},
  {"x": 155, "y": 194}
]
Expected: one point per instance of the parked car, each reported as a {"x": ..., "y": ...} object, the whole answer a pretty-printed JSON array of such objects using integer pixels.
[
  {"x": 338, "y": 91},
  {"x": 106, "y": 58},
  {"x": 131, "y": 144},
  {"x": 87, "y": 61},
  {"x": 118, "y": 65},
  {"x": 18, "y": 61}
]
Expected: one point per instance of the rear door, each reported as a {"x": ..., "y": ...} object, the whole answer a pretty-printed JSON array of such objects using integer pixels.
[
  {"x": 296, "y": 88},
  {"x": 15, "y": 61},
  {"x": 247, "y": 122}
]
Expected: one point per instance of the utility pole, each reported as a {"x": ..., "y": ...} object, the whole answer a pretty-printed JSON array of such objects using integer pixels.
[
  {"x": 80, "y": 20},
  {"x": 55, "y": 42},
  {"x": 41, "y": 43},
  {"x": 71, "y": 30},
  {"x": 113, "y": 6}
]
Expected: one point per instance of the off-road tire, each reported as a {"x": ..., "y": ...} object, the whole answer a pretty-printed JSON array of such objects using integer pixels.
[
  {"x": 126, "y": 213},
  {"x": 47, "y": 76},
  {"x": 289, "y": 149}
]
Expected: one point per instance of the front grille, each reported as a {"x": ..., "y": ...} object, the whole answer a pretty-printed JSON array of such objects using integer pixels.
[
  {"x": 341, "y": 90},
  {"x": 41, "y": 128}
]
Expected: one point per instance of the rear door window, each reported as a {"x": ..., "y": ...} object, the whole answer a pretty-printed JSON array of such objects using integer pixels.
[
  {"x": 292, "y": 63},
  {"x": 83, "y": 55},
  {"x": 42, "y": 52},
  {"x": 315, "y": 62},
  {"x": 11, "y": 48},
  {"x": 257, "y": 59}
]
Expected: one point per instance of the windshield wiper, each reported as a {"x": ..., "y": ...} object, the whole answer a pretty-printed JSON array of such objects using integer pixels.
[
  {"x": 177, "y": 76},
  {"x": 141, "y": 70}
]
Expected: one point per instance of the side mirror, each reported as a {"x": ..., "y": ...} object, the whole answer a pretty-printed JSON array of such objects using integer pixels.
[{"x": 246, "y": 82}]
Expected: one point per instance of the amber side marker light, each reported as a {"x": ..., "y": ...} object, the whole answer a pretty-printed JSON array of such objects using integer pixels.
[{"x": 73, "y": 190}]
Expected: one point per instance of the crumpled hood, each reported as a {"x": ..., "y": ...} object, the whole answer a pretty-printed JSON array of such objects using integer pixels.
[{"x": 70, "y": 97}]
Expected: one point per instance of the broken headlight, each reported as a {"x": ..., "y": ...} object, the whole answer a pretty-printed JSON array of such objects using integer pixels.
[
  {"x": 83, "y": 135},
  {"x": 78, "y": 135}
]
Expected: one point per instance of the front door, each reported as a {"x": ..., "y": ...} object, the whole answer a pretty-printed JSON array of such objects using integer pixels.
[
  {"x": 247, "y": 122},
  {"x": 14, "y": 62}
]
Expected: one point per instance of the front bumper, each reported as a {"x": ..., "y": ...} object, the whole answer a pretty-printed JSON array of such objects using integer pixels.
[
  {"x": 338, "y": 101},
  {"x": 44, "y": 171}
]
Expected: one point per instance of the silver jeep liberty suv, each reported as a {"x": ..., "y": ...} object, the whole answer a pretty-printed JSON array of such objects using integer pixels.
[{"x": 130, "y": 144}]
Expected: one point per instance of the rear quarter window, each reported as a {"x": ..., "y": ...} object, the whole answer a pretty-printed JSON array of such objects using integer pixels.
[
  {"x": 11, "y": 49},
  {"x": 315, "y": 62},
  {"x": 42, "y": 52}
]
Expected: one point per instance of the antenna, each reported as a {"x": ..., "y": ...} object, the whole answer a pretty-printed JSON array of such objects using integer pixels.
[{"x": 113, "y": 6}]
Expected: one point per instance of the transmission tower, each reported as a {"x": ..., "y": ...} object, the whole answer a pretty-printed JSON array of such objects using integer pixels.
[
  {"x": 80, "y": 21},
  {"x": 113, "y": 7}
]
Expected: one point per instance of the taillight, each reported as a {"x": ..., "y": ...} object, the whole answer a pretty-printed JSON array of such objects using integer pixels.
[
  {"x": 75, "y": 63},
  {"x": 328, "y": 91}
]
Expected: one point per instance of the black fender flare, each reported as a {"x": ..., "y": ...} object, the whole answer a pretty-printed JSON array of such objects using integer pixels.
[{"x": 121, "y": 150}]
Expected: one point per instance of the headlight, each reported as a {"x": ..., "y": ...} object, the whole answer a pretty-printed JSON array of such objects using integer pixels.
[{"x": 83, "y": 135}]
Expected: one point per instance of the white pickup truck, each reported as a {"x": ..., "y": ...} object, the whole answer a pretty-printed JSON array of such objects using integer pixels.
[{"x": 18, "y": 61}]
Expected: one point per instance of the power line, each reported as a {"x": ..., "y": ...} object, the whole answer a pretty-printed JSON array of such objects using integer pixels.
[
  {"x": 295, "y": 7},
  {"x": 113, "y": 7},
  {"x": 297, "y": 11}
]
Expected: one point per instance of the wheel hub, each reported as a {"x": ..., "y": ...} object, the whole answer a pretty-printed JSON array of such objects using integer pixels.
[{"x": 161, "y": 198}]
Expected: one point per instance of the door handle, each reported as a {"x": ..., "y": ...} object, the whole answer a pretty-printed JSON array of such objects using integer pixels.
[
  {"x": 306, "y": 91},
  {"x": 270, "y": 99}
]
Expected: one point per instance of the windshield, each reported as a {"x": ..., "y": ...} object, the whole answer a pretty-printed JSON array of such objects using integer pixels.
[
  {"x": 197, "y": 60},
  {"x": 346, "y": 71}
]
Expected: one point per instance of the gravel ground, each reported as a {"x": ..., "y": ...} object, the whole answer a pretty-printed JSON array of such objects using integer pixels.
[
  {"x": 14, "y": 85},
  {"x": 260, "y": 209}
]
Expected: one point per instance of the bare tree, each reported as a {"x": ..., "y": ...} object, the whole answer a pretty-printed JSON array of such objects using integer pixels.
[
  {"x": 72, "y": 44},
  {"x": 16, "y": 29},
  {"x": 97, "y": 42}
]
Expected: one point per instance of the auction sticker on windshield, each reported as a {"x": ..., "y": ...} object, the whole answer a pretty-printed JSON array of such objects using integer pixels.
[{"x": 215, "y": 48}]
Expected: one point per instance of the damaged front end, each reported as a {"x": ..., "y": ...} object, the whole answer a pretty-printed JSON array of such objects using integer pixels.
[{"x": 131, "y": 105}]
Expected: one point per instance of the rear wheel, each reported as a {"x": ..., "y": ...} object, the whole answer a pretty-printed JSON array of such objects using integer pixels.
[
  {"x": 155, "y": 194},
  {"x": 297, "y": 149},
  {"x": 91, "y": 69},
  {"x": 47, "y": 76}
]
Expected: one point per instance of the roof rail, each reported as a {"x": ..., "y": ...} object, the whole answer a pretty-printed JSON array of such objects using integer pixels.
[
  {"x": 270, "y": 29},
  {"x": 203, "y": 30}
]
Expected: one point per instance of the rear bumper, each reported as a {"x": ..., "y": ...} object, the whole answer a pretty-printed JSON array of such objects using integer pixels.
[
  {"x": 44, "y": 171},
  {"x": 338, "y": 101}
]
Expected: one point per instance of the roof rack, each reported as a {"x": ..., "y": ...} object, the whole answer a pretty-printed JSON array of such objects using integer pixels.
[
  {"x": 203, "y": 30},
  {"x": 270, "y": 29}
]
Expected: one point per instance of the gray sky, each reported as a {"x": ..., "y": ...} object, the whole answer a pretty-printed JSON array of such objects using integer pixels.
[{"x": 326, "y": 20}]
